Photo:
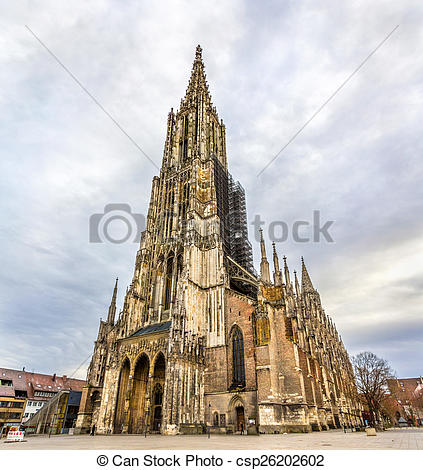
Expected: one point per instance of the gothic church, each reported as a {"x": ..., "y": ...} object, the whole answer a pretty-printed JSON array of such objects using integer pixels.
[{"x": 203, "y": 342}]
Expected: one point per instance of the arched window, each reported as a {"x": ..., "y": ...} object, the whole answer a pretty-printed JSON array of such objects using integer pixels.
[
  {"x": 168, "y": 283},
  {"x": 238, "y": 358},
  {"x": 215, "y": 419}
]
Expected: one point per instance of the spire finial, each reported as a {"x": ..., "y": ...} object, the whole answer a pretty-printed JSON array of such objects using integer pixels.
[{"x": 198, "y": 52}]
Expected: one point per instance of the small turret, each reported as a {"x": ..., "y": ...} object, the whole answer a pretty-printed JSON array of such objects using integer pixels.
[
  {"x": 277, "y": 275},
  {"x": 297, "y": 285},
  {"x": 286, "y": 273},
  {"x": 264, "y": 264}
]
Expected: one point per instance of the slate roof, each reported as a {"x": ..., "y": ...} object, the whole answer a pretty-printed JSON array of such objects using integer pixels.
[{"x": 158, "y": 327}]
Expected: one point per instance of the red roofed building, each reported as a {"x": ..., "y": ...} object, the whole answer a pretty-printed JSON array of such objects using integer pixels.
[
  {"x": 406, "y": 400},
  {"x": 13, "y": 394},
  {"x": 22, "y": 393}
]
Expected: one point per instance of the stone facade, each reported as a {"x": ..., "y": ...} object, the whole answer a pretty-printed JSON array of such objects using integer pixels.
[{"x": 202, "y": 341}]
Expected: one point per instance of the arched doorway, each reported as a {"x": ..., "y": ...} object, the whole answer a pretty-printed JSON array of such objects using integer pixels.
[
  {"x": 138, "y": 416},
  {"x": 240, "y": 418},
  {"x": 157, "y": 392},
  {"x": 121, "y": 396},
  {"x": 95, "y": 402},
  {"x": 236, "y": 414}
]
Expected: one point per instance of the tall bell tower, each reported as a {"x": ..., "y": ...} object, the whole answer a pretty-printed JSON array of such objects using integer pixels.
[{"x": 181, "y": 271}]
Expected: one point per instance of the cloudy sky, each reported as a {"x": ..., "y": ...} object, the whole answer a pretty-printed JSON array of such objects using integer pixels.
[{"x": 270, "y": 66}]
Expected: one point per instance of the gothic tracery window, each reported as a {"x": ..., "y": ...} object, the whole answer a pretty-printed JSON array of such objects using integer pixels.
[
  {"x": 238, "y": 365},
  {"x": 168, "y": 283}
]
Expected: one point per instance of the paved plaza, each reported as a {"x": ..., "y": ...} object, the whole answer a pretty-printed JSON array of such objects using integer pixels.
[{"x": 392, "y": 439}]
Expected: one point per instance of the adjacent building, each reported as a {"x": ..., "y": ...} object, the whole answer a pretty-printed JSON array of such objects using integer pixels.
[
  {"x": 202, "y": 340},
  {"x": 13, "y": 397},
  {"x": 58, "y": 416},
  {"x": 404, "y": 404},
  {"x": 42, "y": 387},
  {"x": 23, "y": 394}
]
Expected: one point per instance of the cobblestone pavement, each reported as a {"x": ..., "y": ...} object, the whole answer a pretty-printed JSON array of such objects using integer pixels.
[{"x": 392, "y": 439}]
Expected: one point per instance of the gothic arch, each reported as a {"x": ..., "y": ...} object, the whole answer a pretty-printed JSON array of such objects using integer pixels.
[
  {"x": 121, "y": 396},
  {"x": 236, "y": 413},
  {"x": 137, "y": 411},
  {"x": 157, "y": 391},
  {"x": 156, "y": 356},
  {"x": 235, "y": 401},
  {"x": 138, "y": 357}
]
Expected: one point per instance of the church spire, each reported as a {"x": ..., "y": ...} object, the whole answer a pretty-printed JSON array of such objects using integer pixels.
[
  {"x": 197, "y": 85},
  {"x": 264, "y": 264},
  {"x": 306, "y": 284},
  {"x": 112, "y": 308},
  {"x": 195, "y": 130}
]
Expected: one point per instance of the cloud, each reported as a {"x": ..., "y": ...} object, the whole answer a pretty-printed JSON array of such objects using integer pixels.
[{"x": 269, "y": 68}]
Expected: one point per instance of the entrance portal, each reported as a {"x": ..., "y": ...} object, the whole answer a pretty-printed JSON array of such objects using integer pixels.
[
  {"x": 240, "y": 419},
  {"x": 157, "y": 419},
  {"x": 139, "y": 389},
  {"x": 157, "y": 392}
]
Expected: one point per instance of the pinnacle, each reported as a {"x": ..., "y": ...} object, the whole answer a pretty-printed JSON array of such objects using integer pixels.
[{"x": 306, "y": 284}]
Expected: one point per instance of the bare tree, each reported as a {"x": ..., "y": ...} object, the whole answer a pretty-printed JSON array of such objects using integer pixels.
[{"x": 372, "y": 373}]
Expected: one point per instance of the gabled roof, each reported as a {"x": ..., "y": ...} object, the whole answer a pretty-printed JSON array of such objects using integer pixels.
[
  {"x": 156, "y": 328},
  {"x": 51, "y": 383}
]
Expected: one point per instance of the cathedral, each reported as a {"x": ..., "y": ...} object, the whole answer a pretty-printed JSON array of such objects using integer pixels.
[{"x": 203, "y": 343}]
